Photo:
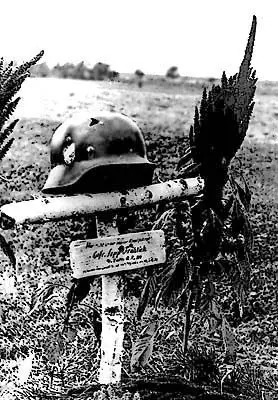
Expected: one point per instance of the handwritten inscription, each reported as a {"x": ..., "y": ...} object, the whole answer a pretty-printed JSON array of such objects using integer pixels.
[{"x": 113, "y": 254}]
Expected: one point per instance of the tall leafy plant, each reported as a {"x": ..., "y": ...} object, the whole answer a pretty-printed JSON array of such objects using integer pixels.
[
  {"x": 11, "y": 80},
  {"x": 209, "y": 237}
]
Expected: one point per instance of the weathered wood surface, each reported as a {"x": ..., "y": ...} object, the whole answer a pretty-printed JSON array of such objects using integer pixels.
[
  {"x": 112, "y": 335},
  {"x": 114, "y": 254},
  {"x": 61, "y": 207}
]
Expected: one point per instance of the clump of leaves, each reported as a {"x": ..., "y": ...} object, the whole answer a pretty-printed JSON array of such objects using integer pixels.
[
  {"x": 11, "y": 80},
  {"x": 200, "y": 364},
  {"x": 209, "y": 236},
  {"x": 255, "y": 383},
  {"x": 143, "y": 347}
]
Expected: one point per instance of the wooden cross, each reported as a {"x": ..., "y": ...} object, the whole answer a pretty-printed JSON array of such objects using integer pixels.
[{"x": 110, "y": 253}]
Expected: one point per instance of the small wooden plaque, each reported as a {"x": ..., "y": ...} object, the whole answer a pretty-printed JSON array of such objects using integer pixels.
[{"x": 113, "y": 254}]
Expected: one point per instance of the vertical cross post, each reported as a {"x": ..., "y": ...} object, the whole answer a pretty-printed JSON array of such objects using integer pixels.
[{"x": 112, "y": 313}]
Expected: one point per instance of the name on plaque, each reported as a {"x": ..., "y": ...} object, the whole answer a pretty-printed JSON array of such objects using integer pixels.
[{"x": 113, "y": 254}]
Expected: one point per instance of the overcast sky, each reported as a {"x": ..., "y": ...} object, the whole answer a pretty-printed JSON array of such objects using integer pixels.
[{"x": 201, "y": 37}]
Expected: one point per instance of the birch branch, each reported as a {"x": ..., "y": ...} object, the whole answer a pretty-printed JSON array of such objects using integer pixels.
[{"x": 49, "y": 208}]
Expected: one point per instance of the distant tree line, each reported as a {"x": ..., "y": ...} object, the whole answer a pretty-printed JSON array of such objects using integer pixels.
[{"x": 99, "y": 72}]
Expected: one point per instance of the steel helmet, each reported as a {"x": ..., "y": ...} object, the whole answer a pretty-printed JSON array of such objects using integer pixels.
[{"x": 103, "y": 152}]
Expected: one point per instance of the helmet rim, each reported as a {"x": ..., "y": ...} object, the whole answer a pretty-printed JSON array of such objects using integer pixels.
[{"x": 65, "y": 176}]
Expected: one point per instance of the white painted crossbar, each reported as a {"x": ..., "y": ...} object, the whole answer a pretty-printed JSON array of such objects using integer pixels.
[{"x": 62, "y": 207}]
